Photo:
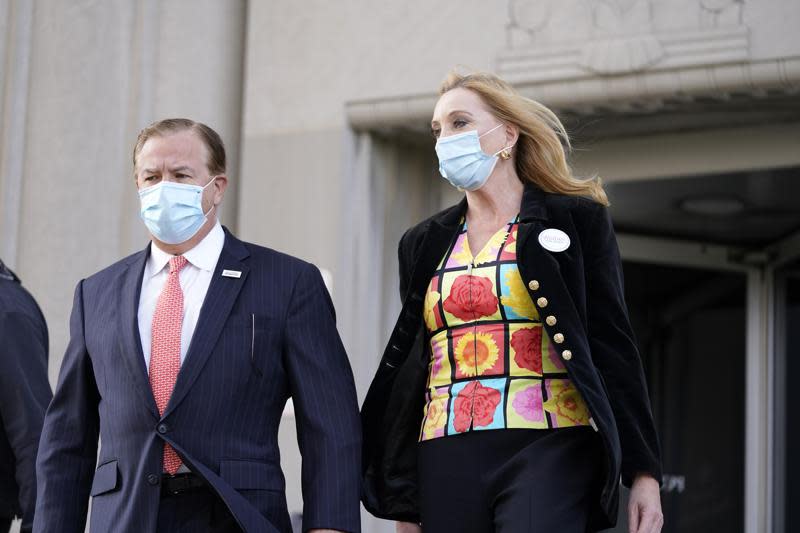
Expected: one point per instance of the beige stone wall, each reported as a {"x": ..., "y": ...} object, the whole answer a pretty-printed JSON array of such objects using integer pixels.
[{"x": 323, "y": 106}]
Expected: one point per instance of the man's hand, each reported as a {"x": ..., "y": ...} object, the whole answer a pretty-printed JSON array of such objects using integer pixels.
[
  {"x": 644, "y": 506},
  {"x": 407, "y": 527}
]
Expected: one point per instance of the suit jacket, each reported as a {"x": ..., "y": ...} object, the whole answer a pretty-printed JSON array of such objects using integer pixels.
[
  {"x": 24, "y": 395},
  {"x": 260, "y": 338},
  {"x": 583, "y": 286}
]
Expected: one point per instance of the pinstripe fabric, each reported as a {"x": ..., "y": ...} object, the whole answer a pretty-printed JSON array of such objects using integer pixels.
[
  {"x": 260, "y": 339},
  {"x": 24, "y": 395}
]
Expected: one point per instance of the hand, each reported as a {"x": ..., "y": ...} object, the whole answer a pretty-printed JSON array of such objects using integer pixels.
[
  {"x": 644, "y": 506},
  {"x": 407, "y": 527}
]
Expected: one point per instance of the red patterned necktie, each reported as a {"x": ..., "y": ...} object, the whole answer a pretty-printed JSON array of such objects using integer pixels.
[{"x": 165, "y": 348}]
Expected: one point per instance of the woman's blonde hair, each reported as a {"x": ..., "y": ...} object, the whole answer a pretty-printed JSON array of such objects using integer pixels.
[{"x": 541, "y": 157}]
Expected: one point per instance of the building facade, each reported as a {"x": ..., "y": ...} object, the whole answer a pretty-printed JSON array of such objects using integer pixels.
[{"x": 688, "y": 109}]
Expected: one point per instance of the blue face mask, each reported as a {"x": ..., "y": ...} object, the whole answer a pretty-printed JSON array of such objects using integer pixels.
[
  {"x": 173, "y": 212},
  {"x": 462, "y": 162}
]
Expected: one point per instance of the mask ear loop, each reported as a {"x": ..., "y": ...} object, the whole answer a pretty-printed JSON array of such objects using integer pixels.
[
  {"x": 507, "y": 149},
  {"x": 490, "y": 131},
  {"x": 505, "y": 153},
  {"x": 212, "y": 205}
]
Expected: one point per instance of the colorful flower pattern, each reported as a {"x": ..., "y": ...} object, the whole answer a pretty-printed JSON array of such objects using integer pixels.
[
  {"x": 471, "y": 298},
  {"x": 475, "y": 405},
  {"x": 492, "y": 364}
]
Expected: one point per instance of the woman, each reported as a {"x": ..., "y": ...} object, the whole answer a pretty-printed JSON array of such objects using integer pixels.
[{"x": 511, "y": 395}]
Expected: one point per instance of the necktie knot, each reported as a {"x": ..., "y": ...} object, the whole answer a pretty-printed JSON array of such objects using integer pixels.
[{"x": 177, "y": 263}]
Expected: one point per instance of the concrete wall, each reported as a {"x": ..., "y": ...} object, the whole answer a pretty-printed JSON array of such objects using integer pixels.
[{"x": 275, "y": 78}]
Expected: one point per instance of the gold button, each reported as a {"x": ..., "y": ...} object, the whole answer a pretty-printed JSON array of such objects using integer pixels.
[
  {"x": 567, "y": 355},
  {"x": 541, "y": 302},
  {"x": 533, "y": 285},
  {"x": 559, "y": 338},
  {"x": 551, "y": 320}
]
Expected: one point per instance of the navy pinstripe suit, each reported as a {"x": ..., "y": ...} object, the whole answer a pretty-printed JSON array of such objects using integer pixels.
[
  {"x": 260, "y": 338},
  {"x": 24, "y": 395}
]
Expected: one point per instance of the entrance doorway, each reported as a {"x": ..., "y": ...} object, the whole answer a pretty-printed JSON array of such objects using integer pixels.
[
  {"x": 690, "y": 325},
  {"x": 713, "y": 283}
]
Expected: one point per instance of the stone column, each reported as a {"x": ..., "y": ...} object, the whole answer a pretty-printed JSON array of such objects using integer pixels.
[{"x": 80, "y": 79}]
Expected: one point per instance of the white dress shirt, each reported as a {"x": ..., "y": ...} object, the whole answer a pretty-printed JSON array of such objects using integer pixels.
[{"x": 195, "y": 278}]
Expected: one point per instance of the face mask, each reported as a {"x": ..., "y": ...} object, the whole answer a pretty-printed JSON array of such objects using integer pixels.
[
  {"x": 462, "y": 162},
  {"x": 173, "y": 212}
]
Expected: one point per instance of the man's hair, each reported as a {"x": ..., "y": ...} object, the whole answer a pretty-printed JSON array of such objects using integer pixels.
[{"x": 212, "y": 140}]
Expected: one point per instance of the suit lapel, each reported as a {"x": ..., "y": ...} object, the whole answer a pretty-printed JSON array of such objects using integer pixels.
[
  {"x": 130, "y": 341},
  {"x": 534, "y": 261},
  {"x": 439, "y": 235},
  {"x": 532, "y": 214},
  {"x": 219, "y": 300}
]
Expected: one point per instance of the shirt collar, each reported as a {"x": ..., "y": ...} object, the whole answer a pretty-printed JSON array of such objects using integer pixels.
[{"x": 203, "y": 256}]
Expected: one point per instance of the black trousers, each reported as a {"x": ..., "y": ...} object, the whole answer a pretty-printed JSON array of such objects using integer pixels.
[
  {"x": 510, "y": 481},
  {"x": 5, "y": 524},
  {"x": 196, "y": 511}
]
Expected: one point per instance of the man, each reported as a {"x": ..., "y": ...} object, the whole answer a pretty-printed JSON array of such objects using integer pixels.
[
  {"x": 182, "y": 357},
  {"x": 24, "y": 395}
]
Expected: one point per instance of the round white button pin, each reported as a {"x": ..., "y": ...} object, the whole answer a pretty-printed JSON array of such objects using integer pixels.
[{"x": 554, "y": 240}]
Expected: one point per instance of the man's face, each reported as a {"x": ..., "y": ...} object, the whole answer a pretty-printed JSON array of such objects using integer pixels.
[{"x": 180, "y": 157}]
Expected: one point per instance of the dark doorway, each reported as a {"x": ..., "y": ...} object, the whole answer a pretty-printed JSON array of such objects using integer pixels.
[
  {"x": 788, "y": 397},
  {"x": 690, "y": 325}
]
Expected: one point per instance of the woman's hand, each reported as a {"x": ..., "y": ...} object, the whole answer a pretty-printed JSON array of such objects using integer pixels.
[
  {"x": 644, "y": 506},
  {"x": 407, "y": 527}
]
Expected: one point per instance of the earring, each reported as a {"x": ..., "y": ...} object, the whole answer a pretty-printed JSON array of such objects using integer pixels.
[{"x": 505, "y": 154}]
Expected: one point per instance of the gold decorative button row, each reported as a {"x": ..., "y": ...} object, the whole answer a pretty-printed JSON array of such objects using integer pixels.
[
  {"x": 558, "y": 338},
  {"x": 533, "y": 285},
  {"x": 551, "y": 320},
  {"x": 566, "y": 355},
  {"x": 541, "y": 301}
]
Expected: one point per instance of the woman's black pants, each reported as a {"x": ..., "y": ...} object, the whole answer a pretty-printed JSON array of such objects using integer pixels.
[{"x": 510, "y": 481}]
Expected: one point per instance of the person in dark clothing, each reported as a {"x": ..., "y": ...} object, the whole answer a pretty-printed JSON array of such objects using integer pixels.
[
  {"x": 24, "y": 396},
  {"x": 510, "y": 397}
]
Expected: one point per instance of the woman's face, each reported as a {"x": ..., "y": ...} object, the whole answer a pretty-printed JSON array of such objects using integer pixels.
[{"x": 460, "y": 110}]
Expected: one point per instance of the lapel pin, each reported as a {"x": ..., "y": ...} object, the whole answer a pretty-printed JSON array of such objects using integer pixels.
[
  {"x": 554, "y": 240},
  {"x": 231, "y": 274}
]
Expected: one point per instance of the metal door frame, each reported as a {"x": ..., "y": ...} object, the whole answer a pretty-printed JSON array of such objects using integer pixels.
[{"x": 780, "y": 255}]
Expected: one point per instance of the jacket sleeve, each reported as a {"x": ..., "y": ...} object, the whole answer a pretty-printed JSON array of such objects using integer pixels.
[
  {"x": 24, "y": 396},
  {"x": 326, "y": 408},
  {"x": 403, "y": 259},
  {"x": 614, "y": 351},
  {"x": 68, "y": 447}
]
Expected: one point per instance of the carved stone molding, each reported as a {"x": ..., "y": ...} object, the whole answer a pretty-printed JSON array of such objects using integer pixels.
[
  {"x": 642, "y": 92},
  {"x": 550, "y": 39}
]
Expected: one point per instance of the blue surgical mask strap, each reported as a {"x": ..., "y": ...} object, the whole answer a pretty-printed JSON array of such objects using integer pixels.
[
  {"x": 490, "y": 131},
  {"x": 213, "y": 205}
]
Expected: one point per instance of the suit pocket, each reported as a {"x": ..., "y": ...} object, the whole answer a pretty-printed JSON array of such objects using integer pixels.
[
  {"x": 255, "y": 337},
  {"x": 106, "y": 478},
  {"x": 245, "y": 475}
]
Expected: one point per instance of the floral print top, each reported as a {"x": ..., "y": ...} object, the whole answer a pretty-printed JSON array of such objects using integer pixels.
[{"x": 492, "y": 364}]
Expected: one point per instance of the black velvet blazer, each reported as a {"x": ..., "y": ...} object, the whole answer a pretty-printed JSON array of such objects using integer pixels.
[{"x": 582, "y": 287}]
